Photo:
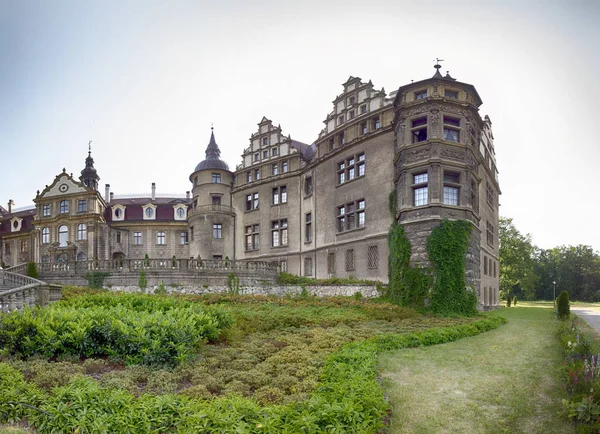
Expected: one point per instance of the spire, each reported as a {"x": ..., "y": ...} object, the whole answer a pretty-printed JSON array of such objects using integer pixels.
[
  {"x": 437, "y": 67},
  {"x": 212, "y": 150},
  {"x": 89, "y": 175}
]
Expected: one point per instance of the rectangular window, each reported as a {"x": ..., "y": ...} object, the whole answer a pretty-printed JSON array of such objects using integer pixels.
[
  {"x": 160, "y": 238},
  {"x": 363, "y": 109},
  {"x": 279, "y": 195},
  {"x": 420, "y": 189},
  {"x": 341, "y": 139},
  {"x": 46, "y": 210},
  {"x": 308, "y": 227},
  {"x": 137, "y": 238},
  {"x": 350, "y": 260},
  {"x": 494, "y": 269},
  {"x": 45, "y": 236},
  {"x": 331, "y": 263},
  {"x": 252, "y": 237},
  {"x": 81, "y": 232},
  {"x": 489, "y": 195},
  {"x": 265, "y": 141},
  {"x": 351, "y": 100},
  {"x": 64, "y": 207},
  {"x": 274, "y": 152},
  {"x": 265, "y": 154},
  {"x": 257, "y": 174},
  {"x": 216, "y": 202},
  {"x": 283, "y": 266},
  {"x": 284, "y": 167},
  {"x": 249, "y": 176},
  {"x": 372, "y": 257},
  {"x": 82, "y": 205},
  {"x": 350, "y": 167},
  {"x": 340, "y": 120},
  {"x": 351, "y": 114},
  {"x": 419, "y": 129},
  {"x": 308, "y": 271},
  {"x": 485, "y": 266},
  {"x": 451, "y": 129},
  {"x": 256, "y": 157},
  {"x": 490, "y": 234},
  {"x": 421, "y": 94},
  {"x": 24, "y": 246},
  {"x": 118, "y": 237},
  {"x": 191, "y": 233},
  {"x": 216, "y": 178},
  {"x": 217, "y": 230},
  {"x": 251, "y": 201},
  {"x": 7, "y": 249},
  {"x": 376, "y": 123},
  {"x": 331, "y": 144},
  {"x": 308, "y": 186},
  {"x": 183, "y": 237},
  {"x": 363, "y": 128},
  {"x": 279, "y": 233},
  {"x": 453, "y": 94},
  {"x": 451, "y": 188},
  {"x": 275, "y": 169},
  {"x": 351, "y": 215}
]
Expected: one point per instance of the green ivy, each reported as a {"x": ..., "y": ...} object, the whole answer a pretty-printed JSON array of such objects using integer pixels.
[
  {"x": 447, "y": 248},
  {"x": 96, "y": 279},
  {"x": 32, "y": 270}
]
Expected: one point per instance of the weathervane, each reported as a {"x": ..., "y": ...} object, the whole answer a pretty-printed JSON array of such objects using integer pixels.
[
  {"x": 90, "y": 145},
  {"x": 437, "y": 63}
]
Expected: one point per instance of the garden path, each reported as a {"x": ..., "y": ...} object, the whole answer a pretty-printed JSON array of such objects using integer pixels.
[{"x": 591, "y": 315}]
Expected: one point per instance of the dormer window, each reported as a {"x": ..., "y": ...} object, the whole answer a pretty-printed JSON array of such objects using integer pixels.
[
  {"x": 118, "y": 213},
  {"x": 149, "y": 211},
  {"x": 421, "y": 94},
  {"x": 180, "y": 212}
]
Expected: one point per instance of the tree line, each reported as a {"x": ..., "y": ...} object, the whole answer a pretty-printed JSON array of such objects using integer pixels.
[{"x": 529, "y": 272}]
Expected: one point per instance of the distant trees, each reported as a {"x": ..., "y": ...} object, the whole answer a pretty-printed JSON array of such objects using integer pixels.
[{"x": 528, "y": 271}]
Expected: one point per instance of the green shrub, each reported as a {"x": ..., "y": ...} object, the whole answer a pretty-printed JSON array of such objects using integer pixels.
[
  {"x": 233, "y": 284},
  {"x": 96, "y": 279},
  {"x": 146, "y": 260},
  {"x": 562, "y": 302},
  {"x": 32, "y": 270},
  {"x": 143, "y": 281},
  {"x": 508, "y": 301},
  {"x": 358, "y": 296},
  {"x": 161, "y": 290},
  {"x": 514, "y": 302}
]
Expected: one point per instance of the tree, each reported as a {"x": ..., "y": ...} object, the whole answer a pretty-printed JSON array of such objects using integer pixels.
[{"x": 517, "y": 275}]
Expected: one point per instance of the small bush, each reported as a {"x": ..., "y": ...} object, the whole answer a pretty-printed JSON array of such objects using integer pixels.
[
  {"x": 32, "y": 270},
  {"x": 358, "y": 296},
  {"x": 143, "y": 281},
  {"x": 514, "y": 302},
  {"x": 161, "y": 290},
  {"x": 96, "y": 279},
  {"x": 563, "y": 305},
  {"x": 508, "y": 301}
]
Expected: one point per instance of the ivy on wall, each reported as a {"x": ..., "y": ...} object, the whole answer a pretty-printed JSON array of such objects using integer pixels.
[
  {"x": 444, "y": 284},
  {"x": 447, "y": 248}
]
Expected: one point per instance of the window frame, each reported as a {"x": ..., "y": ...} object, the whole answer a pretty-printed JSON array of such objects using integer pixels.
[
  {"x": 451, "y": 184},
  {"x": 215, "y": 178},
  {"x": 161, "y": 238},
  {"x": 137, "y": 238},
  {"x": 308, "y": 227},
  {"x": 81, "y": 232},
  {"x": 252, "y": 238},
  {"x": 217, "y": 231},
  {"x": 351, "y": 168},
  {"x": 183, "y": 238},
  {"x": 279, "y": 233},
  {"x": 81, "y": 205},
  {"x": 351, "y": 216},
  {"x": 46, "y": 210},
  {"x": 64, "y": 207},
  {"x": 420, "y": 188},
  {"x": 252, "y": 201},
  {"x": 45, "y": 235}
]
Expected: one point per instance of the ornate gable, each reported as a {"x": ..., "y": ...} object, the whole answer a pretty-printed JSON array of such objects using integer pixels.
[{"x": 62, "y": 185}]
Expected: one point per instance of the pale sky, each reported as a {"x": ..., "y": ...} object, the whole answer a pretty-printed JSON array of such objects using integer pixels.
[{"x": 145, "y": 79}]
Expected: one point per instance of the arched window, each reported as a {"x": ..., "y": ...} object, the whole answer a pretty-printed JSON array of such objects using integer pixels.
[
  {"x": 149, "y": 212},
  {"x": 64, "y": 206},
  {"x": 180, "y": 213},
  {"x": 63, "y": 236},
  {"x": 81, "y": 232},
  {"x": 82, "y": 256},
  {"x": 45, "y": 236}
]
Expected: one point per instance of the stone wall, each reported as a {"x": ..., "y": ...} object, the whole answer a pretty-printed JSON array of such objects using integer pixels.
[{"x": 367, "y": 291}]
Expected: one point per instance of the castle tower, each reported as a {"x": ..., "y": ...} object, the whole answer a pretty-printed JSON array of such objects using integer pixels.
[
  {"x": 211, "y": 219},
  {"x": 445, "y": 168},
  {"x": 89, "y": 175}
]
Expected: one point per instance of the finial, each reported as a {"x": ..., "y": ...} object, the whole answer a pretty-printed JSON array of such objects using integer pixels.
[
  {"x": 90, "y": 146},
  {"x": 211, "y": 126},
  {"x": 437, "y": 63}
]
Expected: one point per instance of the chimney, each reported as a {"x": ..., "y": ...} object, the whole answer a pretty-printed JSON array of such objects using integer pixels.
[
  {"x": 106, "y": 192},
  {"x": 187, "y": 195},
  {"x": 111, "y": 196},
  {"x": 153, "y": 191},
  {"x": 11, "y": 203}
]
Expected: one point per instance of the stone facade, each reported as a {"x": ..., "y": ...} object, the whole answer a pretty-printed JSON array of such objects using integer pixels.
[{"x": 318, "y": 210}]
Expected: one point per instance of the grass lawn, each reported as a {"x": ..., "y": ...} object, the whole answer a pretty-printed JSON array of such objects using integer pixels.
[{"x": 502, "y": 381}]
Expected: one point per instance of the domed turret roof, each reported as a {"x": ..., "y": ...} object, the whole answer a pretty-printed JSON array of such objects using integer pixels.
[{"x": 213, "y": 157}]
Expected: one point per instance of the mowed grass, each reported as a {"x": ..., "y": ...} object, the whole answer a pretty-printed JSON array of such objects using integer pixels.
[{"x": 502, "y": 381}]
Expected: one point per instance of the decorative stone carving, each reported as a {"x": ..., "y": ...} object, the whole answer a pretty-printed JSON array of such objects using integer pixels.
[
  {"x": 417, "y": 155},
  {"x": 452, "y": 154}
]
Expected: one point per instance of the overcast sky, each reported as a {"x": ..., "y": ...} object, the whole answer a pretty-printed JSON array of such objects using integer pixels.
[{"x": 144, "y": 80}]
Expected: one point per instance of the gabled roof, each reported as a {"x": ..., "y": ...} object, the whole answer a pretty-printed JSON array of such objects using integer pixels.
[{"x": 54, "y": 189}]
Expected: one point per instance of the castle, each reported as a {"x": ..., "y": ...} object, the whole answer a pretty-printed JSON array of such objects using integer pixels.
[{"x": 317, "y": 210}]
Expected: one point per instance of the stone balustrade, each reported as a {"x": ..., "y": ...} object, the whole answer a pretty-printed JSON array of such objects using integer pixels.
[
  {"x": 126, "y": 265},
  {"x": 17, "y": 290}
]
